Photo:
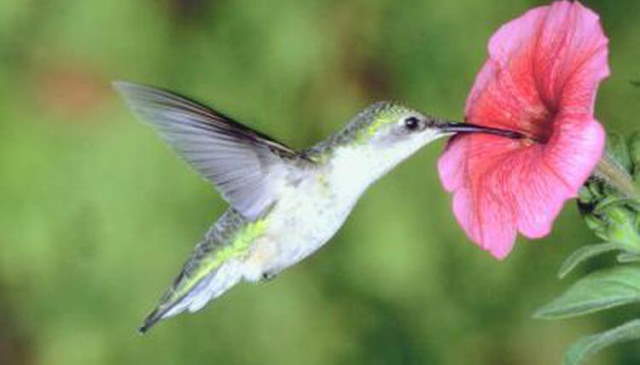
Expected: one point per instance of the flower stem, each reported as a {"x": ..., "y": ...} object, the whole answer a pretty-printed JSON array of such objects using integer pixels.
[{"x": 609, "y": 170}]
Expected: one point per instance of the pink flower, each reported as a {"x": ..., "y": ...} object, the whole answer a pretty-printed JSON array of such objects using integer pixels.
[{"x": 540, "y": 79}]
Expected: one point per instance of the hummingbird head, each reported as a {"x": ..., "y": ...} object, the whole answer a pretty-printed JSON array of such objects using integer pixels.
[
  {"x": 396, "y": 130},
  {"x": 390, "y": 125},
  {"x": 385, "y": 134}
]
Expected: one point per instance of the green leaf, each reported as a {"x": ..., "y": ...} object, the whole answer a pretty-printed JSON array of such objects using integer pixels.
[
  {"x": 626, "y": 257},
  {"x": 634, "y": 152},
  {"x": 584, "y": 253},
  {"x": 614, "y": 200},
  {"x": 600, "y": 290},
  {"x": 587, "y": 346}
]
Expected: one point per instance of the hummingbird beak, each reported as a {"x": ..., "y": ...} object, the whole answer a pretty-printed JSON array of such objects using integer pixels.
[{"x": 473, "y": 128}]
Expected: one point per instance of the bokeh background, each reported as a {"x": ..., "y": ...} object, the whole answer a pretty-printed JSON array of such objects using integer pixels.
[{"x": 97, "y": 215}]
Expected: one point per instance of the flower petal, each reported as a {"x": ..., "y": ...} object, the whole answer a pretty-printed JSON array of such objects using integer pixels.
[
  {"x": 555, "y": 172},
  {"x": 505, "y": 92},
  {"x": 570, "y": 57},
  {"x": 550, "y": 58},
  {"x": 540, "y": 79},
  {"x": 451, "y": 162},
  {"x": 474, "y": 167}
]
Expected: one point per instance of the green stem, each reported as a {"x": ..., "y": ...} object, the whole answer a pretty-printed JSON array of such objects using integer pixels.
[{"x": 615, "y": 175}]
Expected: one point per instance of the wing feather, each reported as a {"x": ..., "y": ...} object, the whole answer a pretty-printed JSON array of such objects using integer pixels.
[{"x": 246, "y": 166}]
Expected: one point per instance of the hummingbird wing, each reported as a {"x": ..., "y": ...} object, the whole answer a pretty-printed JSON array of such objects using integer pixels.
[{"x": 245, "y": 165}]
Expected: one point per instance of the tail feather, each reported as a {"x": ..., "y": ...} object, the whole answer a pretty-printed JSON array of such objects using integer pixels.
[
  {"x": 151, "y": 320},
  {"x": 197, "y": 294}
]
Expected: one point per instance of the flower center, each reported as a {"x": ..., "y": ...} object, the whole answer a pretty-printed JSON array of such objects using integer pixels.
[{"x": 537, "y": 124}]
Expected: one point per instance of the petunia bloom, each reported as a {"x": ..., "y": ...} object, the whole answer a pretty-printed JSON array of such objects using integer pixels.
[{"x": 541, "y": 80}]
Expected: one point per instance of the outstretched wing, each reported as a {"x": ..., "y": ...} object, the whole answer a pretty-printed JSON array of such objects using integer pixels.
[{"x": 245, "y": 165}]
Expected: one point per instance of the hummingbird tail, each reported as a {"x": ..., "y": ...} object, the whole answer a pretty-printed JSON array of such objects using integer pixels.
[{"x": 197, "y": 293}]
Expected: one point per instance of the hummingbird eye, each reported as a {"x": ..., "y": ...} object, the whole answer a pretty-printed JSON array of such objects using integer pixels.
[{"x": 412, "y": 123}]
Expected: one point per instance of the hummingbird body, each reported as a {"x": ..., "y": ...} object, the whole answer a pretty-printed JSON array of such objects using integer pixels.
[{"x": 284, "y": 204}]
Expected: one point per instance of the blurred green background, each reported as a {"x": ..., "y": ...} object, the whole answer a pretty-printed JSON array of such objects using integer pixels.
[{"x": 97, "y": 215}]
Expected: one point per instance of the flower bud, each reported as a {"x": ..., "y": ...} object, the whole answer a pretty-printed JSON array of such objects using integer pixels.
[{"x": 609, "y": 200}]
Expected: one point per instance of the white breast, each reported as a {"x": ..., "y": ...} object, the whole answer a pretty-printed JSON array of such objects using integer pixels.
[{"x": 309, "y": 214}]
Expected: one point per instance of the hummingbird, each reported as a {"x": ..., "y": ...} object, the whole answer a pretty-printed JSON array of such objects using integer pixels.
[{"x": 284, "y": 204}]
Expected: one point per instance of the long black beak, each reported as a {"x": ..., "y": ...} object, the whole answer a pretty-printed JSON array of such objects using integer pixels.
[{"x": 473, "y": 128}]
